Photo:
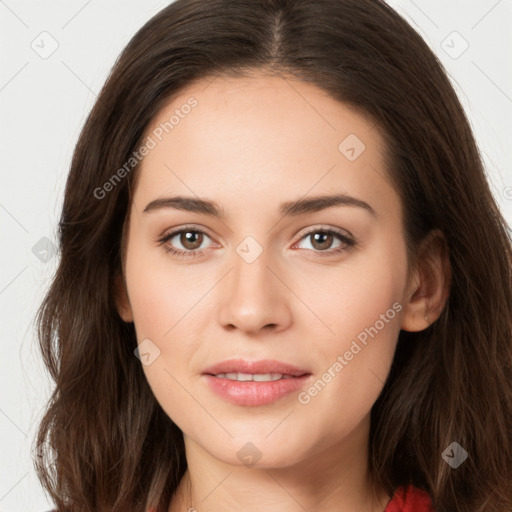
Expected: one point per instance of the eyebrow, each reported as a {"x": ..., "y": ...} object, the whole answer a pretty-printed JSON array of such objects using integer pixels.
[{"x": 286, "y": 209}]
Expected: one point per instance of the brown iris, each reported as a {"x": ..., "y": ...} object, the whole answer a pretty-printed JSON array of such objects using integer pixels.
[{"x": 187, "y": 237}]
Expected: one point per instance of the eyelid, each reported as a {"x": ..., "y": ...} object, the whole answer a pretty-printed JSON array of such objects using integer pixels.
[
  {"x": 179, "y": 229},
  {"x": 323, "y": 227}
]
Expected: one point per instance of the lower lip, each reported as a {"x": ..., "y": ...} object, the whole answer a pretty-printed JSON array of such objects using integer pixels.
[{"x": 251, "y": 393}]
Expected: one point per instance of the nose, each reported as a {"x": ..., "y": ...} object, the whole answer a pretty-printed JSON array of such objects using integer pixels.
[{"x": 254, "y": 295}]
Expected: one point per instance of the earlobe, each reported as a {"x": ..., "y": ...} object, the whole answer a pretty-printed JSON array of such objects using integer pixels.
[
  {"x": 121, "y": 299},
  {"x": 430, "y": 287}
]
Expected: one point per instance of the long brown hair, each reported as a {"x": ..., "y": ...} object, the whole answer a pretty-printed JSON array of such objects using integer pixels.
[{"x": 105, "y": 442}]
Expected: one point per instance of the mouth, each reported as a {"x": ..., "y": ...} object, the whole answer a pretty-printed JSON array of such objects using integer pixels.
[
  {"x": 256, "y": 377},
  {"x": 255, "y": 383}
]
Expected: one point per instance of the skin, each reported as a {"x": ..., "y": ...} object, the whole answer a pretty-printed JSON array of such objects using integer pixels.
[{"x": 250, "y": 144}]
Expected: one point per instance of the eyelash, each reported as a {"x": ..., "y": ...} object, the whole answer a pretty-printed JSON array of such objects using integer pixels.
[{"x": 348, "y": 247}]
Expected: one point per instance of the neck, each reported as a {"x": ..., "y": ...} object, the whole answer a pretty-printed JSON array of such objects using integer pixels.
[{"x": 333, "y": 478}]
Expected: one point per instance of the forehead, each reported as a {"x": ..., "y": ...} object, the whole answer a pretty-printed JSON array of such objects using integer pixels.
[{"x": 262, "y": 137}]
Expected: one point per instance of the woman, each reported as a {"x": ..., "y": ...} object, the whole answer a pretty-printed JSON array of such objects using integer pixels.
[{"x": 284, "y": 281}]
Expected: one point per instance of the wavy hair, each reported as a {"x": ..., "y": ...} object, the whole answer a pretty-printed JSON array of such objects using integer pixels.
[{"x": 105, "y": 442}]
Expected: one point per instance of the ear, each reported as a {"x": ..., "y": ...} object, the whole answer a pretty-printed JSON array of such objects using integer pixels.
[
  {"x": 121, "y": 299},
  {"x": 429, "y": 284}
]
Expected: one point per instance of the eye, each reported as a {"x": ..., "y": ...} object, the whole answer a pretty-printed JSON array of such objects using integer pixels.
[
  {"x": 322, "y": 241},
  {"x": 189, "y": 238}
]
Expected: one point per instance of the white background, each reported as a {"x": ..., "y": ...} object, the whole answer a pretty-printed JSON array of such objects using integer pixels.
[{"x": 44, "y": 103}]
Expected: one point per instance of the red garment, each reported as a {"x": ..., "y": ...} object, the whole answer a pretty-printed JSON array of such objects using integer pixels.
[
  {"x": 406, "y": 499},
  {"x": 410, "y": 499}
]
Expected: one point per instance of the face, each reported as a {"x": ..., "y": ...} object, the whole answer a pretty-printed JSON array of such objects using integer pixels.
[{"x": 276, "y": 275}]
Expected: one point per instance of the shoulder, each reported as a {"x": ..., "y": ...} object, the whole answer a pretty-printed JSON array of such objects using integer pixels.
[{"x": 410, "y": 499}]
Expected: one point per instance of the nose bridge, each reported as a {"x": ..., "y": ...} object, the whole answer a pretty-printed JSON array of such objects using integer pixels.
[
  {"x": 254, "y": 296},
  {"x": 251, "y": 275}
]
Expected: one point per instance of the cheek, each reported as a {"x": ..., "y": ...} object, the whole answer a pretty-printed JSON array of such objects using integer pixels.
[
  {"x": 353, "y": 371},
  {"x": 356, "y": 360},
  {"x": 163, "y": 307},
  {"x": 161, "y": 295},
  {"x": 168, "y": 305},
  {"x": 352, "y": 296}
]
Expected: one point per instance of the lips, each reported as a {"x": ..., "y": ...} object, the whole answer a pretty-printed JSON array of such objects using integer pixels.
[
  {"x": 234, "y": 380},
  {"x": 263, "y": 366}
]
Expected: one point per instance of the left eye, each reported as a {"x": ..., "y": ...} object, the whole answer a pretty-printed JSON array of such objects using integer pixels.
[{"x": 325, "y": 237}]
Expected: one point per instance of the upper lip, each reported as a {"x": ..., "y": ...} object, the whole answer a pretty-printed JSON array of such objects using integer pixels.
[{"x": 261, "y": 366}]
